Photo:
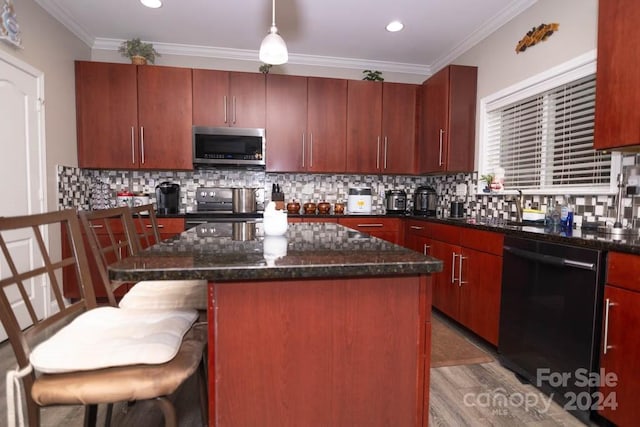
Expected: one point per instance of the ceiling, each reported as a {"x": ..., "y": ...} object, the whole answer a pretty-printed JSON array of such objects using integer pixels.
[{"x": 347, "y": 33}]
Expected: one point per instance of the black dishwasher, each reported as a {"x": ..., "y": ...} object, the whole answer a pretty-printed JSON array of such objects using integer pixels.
[{"x": 550, "y": 315}]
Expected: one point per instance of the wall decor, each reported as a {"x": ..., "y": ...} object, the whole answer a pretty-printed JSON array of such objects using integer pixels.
[
  {"x": 9, "y": 28},
  {"x": 535, "y": 35}
]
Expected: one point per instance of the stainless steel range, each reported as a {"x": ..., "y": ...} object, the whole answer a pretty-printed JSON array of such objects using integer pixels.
[{"x": 215, "y": 205}]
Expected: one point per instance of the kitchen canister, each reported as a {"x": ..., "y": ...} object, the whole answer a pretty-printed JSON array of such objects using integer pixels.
[
  {"x": 141, "y": 199},
  {"x": 124, "y": 198}
]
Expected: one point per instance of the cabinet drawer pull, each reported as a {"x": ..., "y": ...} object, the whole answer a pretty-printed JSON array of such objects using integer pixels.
[
  {"x": 97, "y": 226},
  {"x": 370, "y": 225},
  {"x": 133, "y": 145},
  {"x": 460, "y": 281},
  {"x": 385, "y": 152},
  {"x": 303, "y": 154},
  {"x": 151, "y": 226},
  {"x": 453, "y": 267},
  {"x": 605, "y": 342},
  {"x": 142, "y": 143},
  {"x": 440, "y": 151},
  {"x": 234, "y": 110},
  {"x": 416, "y": 227}
]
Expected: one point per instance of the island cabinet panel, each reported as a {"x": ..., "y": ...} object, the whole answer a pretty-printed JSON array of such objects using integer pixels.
[
  {"x": 229, "y": 99},
  {"x": 620, "y": 348},
  {"x": 306, "y": 124},
  {"x": 448, "y": 116},
  {"x": 133, "y": 117},
  {"x": 389, "y": 229},
  {"x": 617, "y": 78},
  {"x": 333, "y": 352}
]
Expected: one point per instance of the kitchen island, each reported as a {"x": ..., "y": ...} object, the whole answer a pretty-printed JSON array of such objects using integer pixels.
[{"x": 325, "y": 326}]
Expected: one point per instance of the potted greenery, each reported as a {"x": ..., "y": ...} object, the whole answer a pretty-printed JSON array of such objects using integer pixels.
[
  {"x": 488, "y": 179},
  {"x": 372, "y": 75},
  {"x": 138, "y": 51}
]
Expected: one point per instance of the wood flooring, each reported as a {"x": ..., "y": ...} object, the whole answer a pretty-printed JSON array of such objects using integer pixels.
[{"x": 464, "y": 395}]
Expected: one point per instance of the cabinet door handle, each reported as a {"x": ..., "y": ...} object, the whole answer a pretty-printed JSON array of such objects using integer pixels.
[
  {"x": 425, "y": 249},
  {"x": 453, "y": 267},
  {"x": 416, "y": 227},
  {"x": 440, "y": 151},
  {"x": 142, "y": 143},
  {"x": 303, "y": 153},
  {"x": 97, "y": 226},
  {"x": 133, "y": 145},
  {"x": 224, "y": 107},
  {"x": 605, "y": 342},
  {"x": 460, "y": 281},
  {"x": 310, "y": 149},
  {"x": 385, "y": 152},
  {"x": 378, "y": 154},
  {"x": 234, "y": 110},
  {"x": 370, "y": 225}
]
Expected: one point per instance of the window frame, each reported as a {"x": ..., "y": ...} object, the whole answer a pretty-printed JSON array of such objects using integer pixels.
[{"x": 564, "y": 73}]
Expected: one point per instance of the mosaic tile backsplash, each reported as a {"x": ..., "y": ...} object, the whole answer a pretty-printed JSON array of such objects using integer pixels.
[{"x": 94, "y": 189}]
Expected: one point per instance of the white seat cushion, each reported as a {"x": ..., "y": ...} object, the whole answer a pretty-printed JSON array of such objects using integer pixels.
[
  {"x": 109, "y": 336},
  {"x": 167, "y": 294}
]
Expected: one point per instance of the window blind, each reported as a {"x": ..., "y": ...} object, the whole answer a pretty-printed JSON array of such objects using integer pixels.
[{"x": 545, "y": 141}]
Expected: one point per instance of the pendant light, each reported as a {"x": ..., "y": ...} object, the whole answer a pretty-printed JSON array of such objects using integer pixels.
[{"x": 273, "y": 49}]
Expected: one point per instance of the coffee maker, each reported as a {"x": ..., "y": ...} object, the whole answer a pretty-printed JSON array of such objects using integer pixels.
[{"x": 168, "y": 198}]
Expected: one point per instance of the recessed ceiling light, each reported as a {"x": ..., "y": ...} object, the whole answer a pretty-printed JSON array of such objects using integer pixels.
[
  {"x": 154, "y": 4},
  {"x": 394, "y": 26}
]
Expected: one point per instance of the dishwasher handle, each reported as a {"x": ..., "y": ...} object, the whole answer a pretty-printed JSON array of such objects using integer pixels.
[{"x": 550, "y": 259}]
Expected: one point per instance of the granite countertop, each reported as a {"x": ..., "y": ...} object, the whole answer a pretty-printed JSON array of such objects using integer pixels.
[
  {"x": 576, "y": 237},
  {"x": 227, "y": 252}
]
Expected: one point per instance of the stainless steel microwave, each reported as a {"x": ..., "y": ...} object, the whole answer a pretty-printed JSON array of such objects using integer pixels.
[{"x": 228, "y": 146}]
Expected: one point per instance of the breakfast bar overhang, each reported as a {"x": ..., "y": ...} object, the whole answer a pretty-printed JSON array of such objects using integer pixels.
[{"x": 322, "y": 326}]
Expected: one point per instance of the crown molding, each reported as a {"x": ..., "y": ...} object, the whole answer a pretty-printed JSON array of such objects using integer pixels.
[
  {"x": 484, "y": 31},
  {"x": 252, "y": 55},
  {"x": 52, "y": 8}
]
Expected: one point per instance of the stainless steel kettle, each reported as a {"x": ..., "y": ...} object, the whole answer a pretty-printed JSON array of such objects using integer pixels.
[{"x": 425, "y": 201}]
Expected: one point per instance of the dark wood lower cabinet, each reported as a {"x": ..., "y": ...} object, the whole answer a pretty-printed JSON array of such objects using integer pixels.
[
  {"x": 321, "y": 352},
  {"x": 622, "y": 358}
]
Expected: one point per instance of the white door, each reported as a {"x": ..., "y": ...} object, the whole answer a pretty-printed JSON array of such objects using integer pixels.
[{"x": 22, "y": 165}]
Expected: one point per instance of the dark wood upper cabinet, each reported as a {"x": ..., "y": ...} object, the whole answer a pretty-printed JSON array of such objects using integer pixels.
[
  {"x": 617, "y": 117},
  {"x": 131, "y": 117},
  {"x": 286, "y": 122},
  {"x": 364, "y": 126},
  {"x": 448, "y": 116},
  {"x": 326, "y": 124},
  {"x": 224, "y": 98},
  {"x": 380, "y": 127},
  {"x": 306, "y": 124},
  {"x": 398, "y": 128}
]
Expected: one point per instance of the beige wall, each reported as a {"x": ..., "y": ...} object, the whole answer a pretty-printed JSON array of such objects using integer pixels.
[
  {"x": 49, "y": 47},
  {"x": 500, "y": 67}
]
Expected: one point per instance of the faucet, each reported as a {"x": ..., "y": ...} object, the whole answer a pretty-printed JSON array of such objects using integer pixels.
[{"x": 519, "y": 206}]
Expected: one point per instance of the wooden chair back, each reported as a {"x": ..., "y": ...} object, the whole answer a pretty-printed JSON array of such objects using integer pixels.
[
  {"x": 22, "y": 322},
  {"x": 146, "y": 225},
  {"x": 111, "y": 237}
]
